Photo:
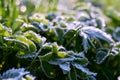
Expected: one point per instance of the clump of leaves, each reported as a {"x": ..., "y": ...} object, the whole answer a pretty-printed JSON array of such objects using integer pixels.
[{"x": 68, "y": 61}]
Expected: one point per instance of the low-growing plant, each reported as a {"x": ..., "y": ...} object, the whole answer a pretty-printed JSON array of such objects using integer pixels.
[{"x": 59, "y": 47}]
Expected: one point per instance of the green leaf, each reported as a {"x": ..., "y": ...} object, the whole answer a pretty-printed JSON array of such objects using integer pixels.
[
  {"x": 48, "y": 69},
  {"x": 84, "y": 70},
  {"x": 4, "y": 31},
  {"x": 72, "y": 75},
  {"x": 38, "y": 18},
  {"x": 100, "y": 22},
  {"x": 17, "y": 25},
  {"x": 32, "y": 46},
  {"x": 46, "y": 57},
  {"x": 70, "y": 33},
  {"x": 40, "y": 26},
  {"x": 54, "y": 47},
  {"x": 116, "y": 34},
  {"x": 101, "y": 55},
  {"x": 59, "y": 33},
  {"x": 25, "y": 54},
  {"x": 16, "y": 74},
  {"x": 26, "y": 27},
  {"x": 54, "y": 62},
  {"x": 82, "y": 61},
  {"x": 51, "y": 16},
  {"x": 96, "y": 33},
  {"x": 85, "y": 42},
  {"x": 65, "y": 66},
  {"x": 47, "y": 46},
  {"x": 90, "y": 33},
  {"x": 34, "y": 37},
  {"x": 21, "y": 40}
]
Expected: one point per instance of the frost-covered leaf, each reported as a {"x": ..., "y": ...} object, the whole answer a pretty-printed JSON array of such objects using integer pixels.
[
  {"x": 66, "y": 59},
  {"x": 116, "y": 34},
  {"x": 38, "y": 18},
  {"x": 25, "y": 54},
  {"x": 83, "y": 69},
  {"x": 26, "y": 27},
  {"x": 86, "y": 41},
  {"x": 48, "y": 69},
  {"x": 101, "y": 55},
  {"x": 46, "y": 57},
  {"x": 54, "y": 62},
  {"x": 59, "y": 32},
  {"x": 47, "y": 46},
  {"x": 16, "y": 74},
  {"x": 43, "y": 27},
  {"x": 69, "y": 33},
  {"x": 89, "y": 33},
  {"x": 34, "y": 37},
  {"x": 65, "y": 66},
  {"x": 101, "y": 23},
  {"x": 29, "y": 77},
  {"x": 63, "y": 24},
  {"x": 51, "y": 16},
  {"x": 40, "y": 26},
  {"x": 82, "y": 61},
  {"x": 96, "y": 33},
  {"x": 22, "y": 40}
]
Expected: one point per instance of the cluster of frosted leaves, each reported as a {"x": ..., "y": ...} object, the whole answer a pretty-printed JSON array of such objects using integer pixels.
[
  {"x": 17, "y": 74},
  {"x": 63, "y": 28},
  {"x": 66, "y": 60},
  {"x": 87, "y": 27},
  {"x": 26, "y": 46},
  {"x": 89, "y": 33},
  {"x": 57, "y": 26},
  {"x": 25, "y": 39},
  {"x": 84, "y": 25}
]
